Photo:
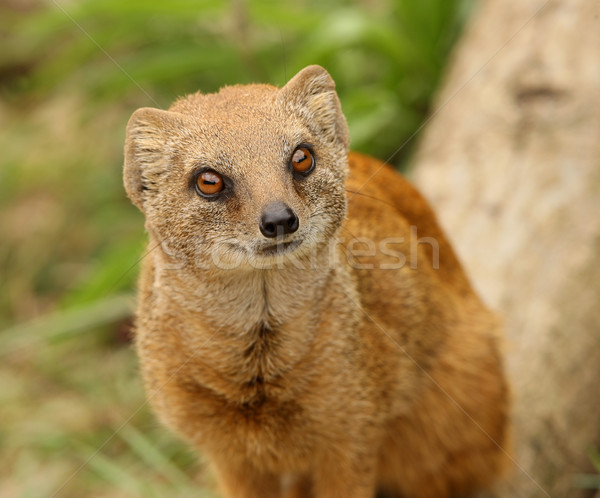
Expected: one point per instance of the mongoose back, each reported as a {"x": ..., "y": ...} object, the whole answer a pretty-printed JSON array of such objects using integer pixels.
[{"x": 302, "y": 319}]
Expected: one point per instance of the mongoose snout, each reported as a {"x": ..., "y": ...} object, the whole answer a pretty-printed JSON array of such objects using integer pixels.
[{"x": 278, "y": 219}]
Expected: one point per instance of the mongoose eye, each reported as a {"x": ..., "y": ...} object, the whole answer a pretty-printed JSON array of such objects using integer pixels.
[
  {"x": 302, "y": 161},
  {"x": 209, "y": 183}
]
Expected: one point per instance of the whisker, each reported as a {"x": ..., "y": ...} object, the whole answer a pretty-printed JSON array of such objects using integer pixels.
[
  {"x": 343, "y": 227},
  {"x": 354, "y": 192},
  {"x": 136, "y": 263}
]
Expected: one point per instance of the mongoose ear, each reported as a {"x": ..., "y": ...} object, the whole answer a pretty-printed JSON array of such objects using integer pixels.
[
  {"x": 311, "y": 93},
  {"x": 146, "y": 154}
]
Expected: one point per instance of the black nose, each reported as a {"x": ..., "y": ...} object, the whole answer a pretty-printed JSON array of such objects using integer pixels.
[{"x": 278, "y": 219}]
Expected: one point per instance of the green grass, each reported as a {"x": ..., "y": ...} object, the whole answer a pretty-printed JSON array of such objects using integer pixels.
[{"x": 70, "y": 239}]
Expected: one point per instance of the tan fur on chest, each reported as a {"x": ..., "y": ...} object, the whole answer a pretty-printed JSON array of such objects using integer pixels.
[{"x": 299, "y": 367}]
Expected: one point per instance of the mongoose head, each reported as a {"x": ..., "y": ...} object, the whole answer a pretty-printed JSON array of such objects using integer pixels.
[{"x": 242, "y": 176}]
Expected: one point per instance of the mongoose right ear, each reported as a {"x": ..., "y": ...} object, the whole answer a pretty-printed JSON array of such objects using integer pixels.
[
  {"x": 149, "y": 133},
  {"x": 311, "y": 93}
]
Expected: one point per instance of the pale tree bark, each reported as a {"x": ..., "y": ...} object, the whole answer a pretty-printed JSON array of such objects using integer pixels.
[{"x": 512, "y": 165}]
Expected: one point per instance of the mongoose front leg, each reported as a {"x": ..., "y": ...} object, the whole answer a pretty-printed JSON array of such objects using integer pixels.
[
  {"x": 348, "y": 476},
  {"x": 242, "y": 480},
  {"x": 299, "y": 486}
]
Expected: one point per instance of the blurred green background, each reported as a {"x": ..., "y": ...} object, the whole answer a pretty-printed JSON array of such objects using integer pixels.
[{"x": 71, "y": 74}]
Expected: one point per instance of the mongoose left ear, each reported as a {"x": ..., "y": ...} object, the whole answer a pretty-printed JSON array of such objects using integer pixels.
[
  {"x": 311, "y": 93},
  {"x": 147, "y": 150}
]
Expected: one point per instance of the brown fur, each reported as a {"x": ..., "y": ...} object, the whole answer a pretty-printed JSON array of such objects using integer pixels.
[{"x": 304, "y": 374}]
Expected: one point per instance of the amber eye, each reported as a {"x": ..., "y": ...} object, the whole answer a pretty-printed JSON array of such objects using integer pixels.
[
  {"x": 302, "y": 160},
  {"x": 209, "y": 183}
]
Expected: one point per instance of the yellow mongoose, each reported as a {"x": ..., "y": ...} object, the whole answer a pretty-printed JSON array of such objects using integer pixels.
[{"x": 289, "y": 326}]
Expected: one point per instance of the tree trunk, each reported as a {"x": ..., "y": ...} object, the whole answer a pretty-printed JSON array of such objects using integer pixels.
[{"x": 511, "y": 162}]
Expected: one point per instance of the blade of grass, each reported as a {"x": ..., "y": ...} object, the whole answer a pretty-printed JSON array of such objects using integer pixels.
[
  {"x": 152, "y": 456},
  {"x": 595, "y": 458},
  {"x": 114, "y": 473},
  {"x": 65, "y": 323},
  {"x": 587, "y": 481}
]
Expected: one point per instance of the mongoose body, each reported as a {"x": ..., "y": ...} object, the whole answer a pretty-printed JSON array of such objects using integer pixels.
[{"x": 302, "y": 319}]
